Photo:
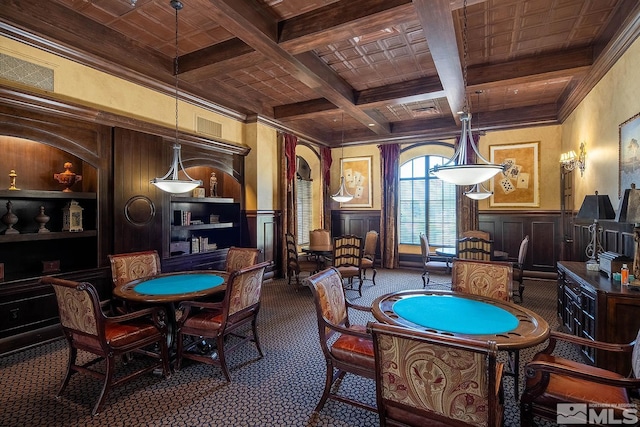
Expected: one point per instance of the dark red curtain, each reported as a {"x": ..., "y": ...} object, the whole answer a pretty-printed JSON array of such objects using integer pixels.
[
  {"x": 390, "y": 181},
  {"x": 290, "y": 142},
  {"x": 325, "y": 164}
]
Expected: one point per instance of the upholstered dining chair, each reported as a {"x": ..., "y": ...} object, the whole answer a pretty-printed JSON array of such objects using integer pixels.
[
  {"x": 492, "y": 279},
  {"x": 238, "y": 258},
  {"x": 295, "y": 263},
  {"x": 347, "y": 347},
  {"x": 552, "y": 379},
  {"x": 425, "y": 379},
  {"x": 320, "y": 241},
  {"x": 347, "y": 259},
  {"x": 218, "y": 320},
  {"x": 369, "y": 255},
  {"x": 87, "y": 328},
  {"x": 518, "y": 268},
  {"x": 129, "y": 266},
  {"x": 428, "y": 264},
  {"x": 476, "y": 233}
]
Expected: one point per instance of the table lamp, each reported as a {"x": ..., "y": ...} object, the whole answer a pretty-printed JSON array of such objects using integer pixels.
[
  {"x": 595, "y": 207},
  {"x": 629, "y": 211}
]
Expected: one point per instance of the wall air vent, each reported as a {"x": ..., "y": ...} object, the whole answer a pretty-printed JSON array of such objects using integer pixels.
[
  {"x": 25, "y": 72},
  {"x": 208, "y": 127}
]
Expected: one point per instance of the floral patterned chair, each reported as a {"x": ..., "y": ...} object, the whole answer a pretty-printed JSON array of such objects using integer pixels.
[
  {"x": 424, "y": 379},
  {"x": 134, "y": 265},
  {"x": 238, "y": 258},
  {"x": 492, "y": 279},
  {"x": 87, "y": 328},
  {"x": 217, "y": 320},
  {"x": 347, "y": 348},
  {"x": 130, "y": 266}
]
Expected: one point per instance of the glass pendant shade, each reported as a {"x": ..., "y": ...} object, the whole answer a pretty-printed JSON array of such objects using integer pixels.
[
  {"x": 478, "y": 192},
  {"x": 457, "y": 170},
  {"x": 170, "y": 182},
  {"x": 342, "y": 196}
]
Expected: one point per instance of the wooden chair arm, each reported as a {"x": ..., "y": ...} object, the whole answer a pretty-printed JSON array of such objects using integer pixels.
[
  {"x": 347, "y": 331},
  {"x": 145, "y": 312},
  {"x": 555, "y": 368},
  {"x": 359, "y": 307},
  {"x": 200, "y": 304},
  {"x": 625, "y": 348}
]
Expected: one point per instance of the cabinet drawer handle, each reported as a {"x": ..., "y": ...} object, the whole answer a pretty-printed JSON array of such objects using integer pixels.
[{"x": 14, "y": 313}]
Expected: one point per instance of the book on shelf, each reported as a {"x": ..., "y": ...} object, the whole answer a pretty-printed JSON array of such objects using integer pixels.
[{"x": 181, "y": 217}]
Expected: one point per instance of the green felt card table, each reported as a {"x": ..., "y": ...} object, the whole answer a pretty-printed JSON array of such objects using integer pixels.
[
  {"x": 511, "y": 326},
  {"x": 172, "y": 287}
]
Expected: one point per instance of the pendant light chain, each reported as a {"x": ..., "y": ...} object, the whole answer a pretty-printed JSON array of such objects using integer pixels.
[
  {"x": 465, "y": 49},
  {"x": 177, "y": 6}
]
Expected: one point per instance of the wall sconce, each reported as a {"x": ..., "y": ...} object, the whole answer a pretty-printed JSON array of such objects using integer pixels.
[{"x": 570, "y": 160}]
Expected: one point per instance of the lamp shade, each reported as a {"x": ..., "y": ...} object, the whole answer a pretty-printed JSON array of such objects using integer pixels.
[
  {"x": 596, "y": 206},
  {"x": 629, "y": 208},
  {"x": 469, "y": 174}
]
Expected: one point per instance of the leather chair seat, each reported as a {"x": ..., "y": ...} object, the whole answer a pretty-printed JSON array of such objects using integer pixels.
[
  {"x": 561, "y": 386},
  {"x": 352, "y": 271},
  {"x": 353, "y": 349},
  {"x": 205, "y": 320}
]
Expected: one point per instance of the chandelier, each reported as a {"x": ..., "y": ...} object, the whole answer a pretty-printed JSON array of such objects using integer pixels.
[
  {"x": 457, "y": 170},
  {"x": 170, "y": 182}
]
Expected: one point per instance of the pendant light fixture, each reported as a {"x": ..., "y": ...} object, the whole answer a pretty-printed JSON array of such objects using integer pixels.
[
  {"x": 342, "y": 196},
  {"x": 457, "y": 170},
  {"x": 478, "y": 191},
  {"x": 170, "y": 182}
]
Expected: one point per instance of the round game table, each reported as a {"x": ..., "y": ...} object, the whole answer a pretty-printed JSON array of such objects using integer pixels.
[
  {"x": 511, "y": 326},
  {"x": 171, "y": 288}
]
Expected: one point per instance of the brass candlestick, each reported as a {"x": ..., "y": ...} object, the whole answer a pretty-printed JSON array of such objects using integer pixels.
[{"x": 12, "y": 180}]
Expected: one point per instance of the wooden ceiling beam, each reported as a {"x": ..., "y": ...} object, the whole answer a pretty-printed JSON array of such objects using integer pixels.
[
  {"x": 300, "y": 109},
  {"x": 341, "y": 21},
  {"x": 439, "y": 30},
  {"x": 306, "y": 67},
  {"x": 564, "y": 63},
  {"x": 200, "y": 64}
]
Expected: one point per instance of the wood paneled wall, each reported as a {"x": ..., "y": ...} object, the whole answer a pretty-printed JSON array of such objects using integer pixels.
[{"x": 506, "y": 228}]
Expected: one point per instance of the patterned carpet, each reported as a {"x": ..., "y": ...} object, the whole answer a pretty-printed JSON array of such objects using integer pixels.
[{"x": 279, "y": 390}]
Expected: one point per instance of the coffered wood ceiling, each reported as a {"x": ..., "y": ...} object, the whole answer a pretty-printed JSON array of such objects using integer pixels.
[{"x": 394, "y": 67}]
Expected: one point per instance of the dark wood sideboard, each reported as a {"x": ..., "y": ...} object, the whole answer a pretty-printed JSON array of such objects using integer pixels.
[{"x": 592, "y": 306}]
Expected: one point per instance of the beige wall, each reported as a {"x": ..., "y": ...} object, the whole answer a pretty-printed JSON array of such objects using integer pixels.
[
  {"x": 261, "y": 168},
  {"x": 83, "y": 85},
  {"x": 548, "y": 161},
  {"x": 615, "y": 99}
]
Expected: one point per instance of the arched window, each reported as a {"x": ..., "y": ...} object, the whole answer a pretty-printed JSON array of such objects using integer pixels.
[
  {"x": 304, "y": 199},
  {"x": 427, "y": 204}
]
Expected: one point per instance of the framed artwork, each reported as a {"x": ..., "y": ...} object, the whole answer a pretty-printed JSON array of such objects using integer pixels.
[
  {"x": 518, "y": 185},
  {"x": 629, "y": 160},
  {"x": 357, "y": 176}
]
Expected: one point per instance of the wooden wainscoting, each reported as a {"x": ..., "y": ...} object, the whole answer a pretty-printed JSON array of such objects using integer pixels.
[
  {"x": 262, "y": 230},
  {"x": 507, "y": 230}
]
